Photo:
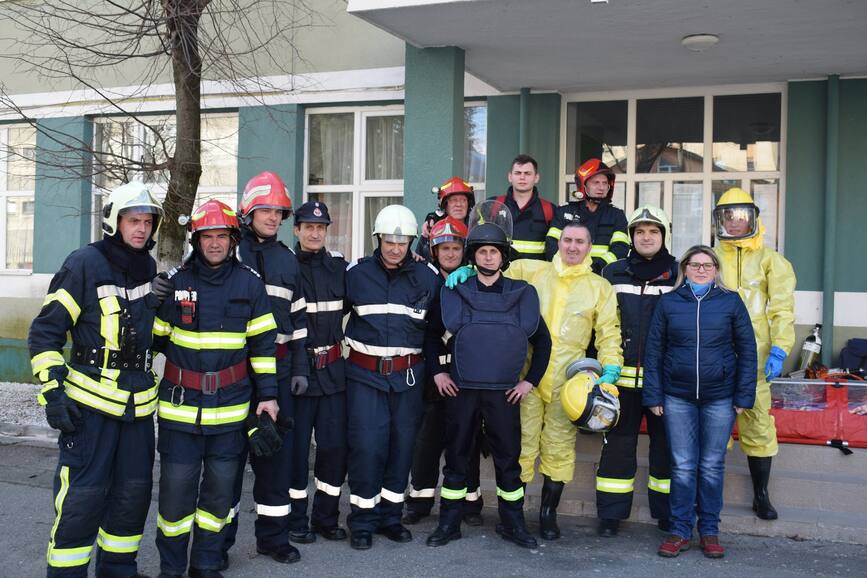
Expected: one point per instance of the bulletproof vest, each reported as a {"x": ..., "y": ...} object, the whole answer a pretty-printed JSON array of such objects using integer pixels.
[{"x": 490, "y": 332}]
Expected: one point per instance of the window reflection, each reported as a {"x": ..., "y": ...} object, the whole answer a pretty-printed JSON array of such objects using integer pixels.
[
  {"x": 746, "y": 132},
  {"x": 596, "y": 130},
  {"x": 670, "y": 135}
]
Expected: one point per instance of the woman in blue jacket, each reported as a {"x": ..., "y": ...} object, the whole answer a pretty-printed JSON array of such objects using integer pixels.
[{"x": 699, "y": 371}]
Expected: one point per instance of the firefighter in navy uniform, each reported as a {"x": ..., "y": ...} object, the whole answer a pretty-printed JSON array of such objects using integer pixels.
[
  {"x": 219, "y": 321},
  {"x": 607, "y": 223},
  {"x": 103, "y": 400},
  {"x": 532, "y": 215},
  {"x": 390, "y": 295},
  {"x": 639, "y": 281},
  {"x": 456, "y": 198},
  {"x": 321, "y": 411},
  {"x": 447, "y": 240},
  {"x": 485, "y": 383},
  {"x": 266, "y": 203}
]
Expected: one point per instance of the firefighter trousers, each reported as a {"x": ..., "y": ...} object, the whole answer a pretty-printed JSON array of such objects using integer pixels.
[
  {"x": 102, "y": 492},
  {"x": 615, "y": 478},
  {"x": 187, "y": 505},
  {"x": 464, "y": 414},
  {"x": 324, "y": 417},
  {"x": 381, "y": 435},
  {"x": 429, "y": 447}
]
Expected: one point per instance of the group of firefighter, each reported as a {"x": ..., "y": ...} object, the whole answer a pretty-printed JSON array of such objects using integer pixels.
[{"x": 460, "y": 348}]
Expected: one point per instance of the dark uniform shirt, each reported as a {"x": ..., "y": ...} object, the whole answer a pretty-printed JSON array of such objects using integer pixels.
[
  {"x": 529, "y": 225},
  {"x": 608, "y": 229}
]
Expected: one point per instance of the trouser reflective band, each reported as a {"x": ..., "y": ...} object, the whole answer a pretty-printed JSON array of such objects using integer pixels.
[
  {"x": 207, "y": 521},
  {"x": 393, "y": 497},
  {"x": 297, "y": 494},
  {"x": 67, "y": 557},
  {"x": 512, "y": 496},
  {"x": 450, "y": 494},
  {"x": 614, "y": 485},
  {"x": 627, "y": 377},
  {"x": 119, "y": 544},
  {"x": 182, "y": 526},
  {"x": 662, "y": 486},
  {"x": 423, "y": 493},
  {"x": 326, "y": 488},
  {"x": 64, "y": 557},
  {"x": 273, "y": 511},
  {"x": 474, "y": 496},
  {"x": 364, "y": 503}
]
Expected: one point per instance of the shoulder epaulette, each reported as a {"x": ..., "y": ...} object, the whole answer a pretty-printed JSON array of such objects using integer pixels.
[
  {"x": 336, "y": 254},
  {"x": 250, "y": 269}
]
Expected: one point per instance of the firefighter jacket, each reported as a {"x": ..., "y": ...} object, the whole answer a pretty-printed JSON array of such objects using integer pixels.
[
  {"x": 229, "y": 322},
  {"x": 608, "y": 229},
  {"x": 100, "y": 297},
  {"x": 700, "y": 349},
  {"x": 389, "y": 317},
  {"x": 322, "y": 279},
  {"x": 529, "y": 225},
  {"x": 574, "y": 302},
  {"x": 636, "y": 300},
  {"x": 278, "y": 268}
]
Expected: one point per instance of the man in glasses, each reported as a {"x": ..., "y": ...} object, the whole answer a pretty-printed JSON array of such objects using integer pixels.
[{"x": 766, "y": 283}]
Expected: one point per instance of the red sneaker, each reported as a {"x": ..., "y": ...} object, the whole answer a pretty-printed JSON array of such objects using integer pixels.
[
  {"x": 711, "y": 547},
  {"x": 672, "y": 546}
]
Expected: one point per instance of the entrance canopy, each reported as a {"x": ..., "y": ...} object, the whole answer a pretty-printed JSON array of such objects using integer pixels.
[{"x": 589, "y": 45}]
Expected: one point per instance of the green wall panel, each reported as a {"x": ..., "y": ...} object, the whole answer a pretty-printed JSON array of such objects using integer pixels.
[
  {"x": 545, "y": 141},
  {"x": 63, "y": 190},
  {"x": 852, "y": 187},
  {"x": 503, "y": 129},
  {"x": 271, "y": 138},
  {"x": 434, "y": 117}
]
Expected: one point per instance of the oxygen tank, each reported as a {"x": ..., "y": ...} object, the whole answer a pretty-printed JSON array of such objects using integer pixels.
[{"x": 811, "y": 349}]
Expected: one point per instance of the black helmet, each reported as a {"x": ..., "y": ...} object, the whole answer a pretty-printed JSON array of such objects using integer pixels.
[{"x": 488, "y": 234}]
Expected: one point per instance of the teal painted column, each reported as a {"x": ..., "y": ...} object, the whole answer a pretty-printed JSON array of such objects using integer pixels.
[
  {"x": 62, "y": 218},
  {"x": 271, "y": 138},
  {"x": 434, "y": 115},
  {"x": 505, "y": 118},
  {"x": 832, "y": 146}
]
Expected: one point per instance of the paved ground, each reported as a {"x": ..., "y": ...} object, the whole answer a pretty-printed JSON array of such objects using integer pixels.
[{"x": 26, "y": 470}]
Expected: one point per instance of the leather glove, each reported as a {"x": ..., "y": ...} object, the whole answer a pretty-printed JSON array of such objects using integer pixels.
[
  {"x": 162, "y": 286},
  {"x": 459, "y": 275},
  {"x": 298, "y": 385},
  {"x": 284, "y": 424},
  {"x": 265, "y": 440},
  {"x": 774, "y": 364},
  {"x": 610, "y": 374},
  {"x": 61, "y": 412}
]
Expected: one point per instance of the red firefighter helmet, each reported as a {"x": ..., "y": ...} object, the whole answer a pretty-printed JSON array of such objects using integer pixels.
[
  {"x": 455, "y": 186},
  {"x": 265, "y": 191},
  {"x": 591, "y": 168},
  {"x": 448, "y": 229},
  {"x": 213, "y": 214}
]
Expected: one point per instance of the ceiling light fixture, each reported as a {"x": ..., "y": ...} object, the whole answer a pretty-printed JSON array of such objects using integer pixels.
[{"x": 699, "y": 42}]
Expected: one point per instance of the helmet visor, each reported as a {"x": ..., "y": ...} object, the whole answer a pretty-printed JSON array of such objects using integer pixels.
[
  {"x": 604, "y": 412},
  {"x": 396, "y": 238},
  {"x": 733, "y": 222},
  {"x": 141, "y": 209}
]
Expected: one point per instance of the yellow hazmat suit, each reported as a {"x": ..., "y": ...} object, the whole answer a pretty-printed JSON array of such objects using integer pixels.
[
  {"x": 765, "y": 281},
  {"x": 574, "y": 301}
]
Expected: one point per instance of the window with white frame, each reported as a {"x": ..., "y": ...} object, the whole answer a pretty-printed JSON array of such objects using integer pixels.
[
  {"x": 354, "y": 164},
  {"x": 17, "y": 184},
  {"x": 681, "y": 149},
  {"x": 127, "y": 142}
]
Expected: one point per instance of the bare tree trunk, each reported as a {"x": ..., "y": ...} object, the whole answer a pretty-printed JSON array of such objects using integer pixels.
[{"x": 185, "y": 168}]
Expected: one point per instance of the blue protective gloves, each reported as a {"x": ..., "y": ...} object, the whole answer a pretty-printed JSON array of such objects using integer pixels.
[
  {"x": 774, "y": 364},
  {"x": 460, "y": 275},
  {"x": 610, "y": 374}
]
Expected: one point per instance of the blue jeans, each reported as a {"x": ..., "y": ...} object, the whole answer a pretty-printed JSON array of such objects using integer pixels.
[{"x": 697, "y": 435}]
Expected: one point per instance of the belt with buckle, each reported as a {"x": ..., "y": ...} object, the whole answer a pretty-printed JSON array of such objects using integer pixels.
[
  {"x": 208, "y": 382},
  {"x": 383, "y": 365},
  {"x": 99, "y": 357},
  {"x": 319, "y": 359}
]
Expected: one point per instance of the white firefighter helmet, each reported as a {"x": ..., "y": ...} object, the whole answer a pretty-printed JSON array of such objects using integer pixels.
[
  {"x": 395, "y": 224},
  {"x": 134, "y": 197},
  {"x": 591, "y": 406}
]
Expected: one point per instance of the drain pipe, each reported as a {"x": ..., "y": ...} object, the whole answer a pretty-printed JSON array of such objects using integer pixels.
[
  {"x": 832, "y": 132},
  {"x": 524, "y": 122}
]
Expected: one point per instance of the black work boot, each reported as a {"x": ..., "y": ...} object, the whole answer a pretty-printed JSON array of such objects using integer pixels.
[
  {"x": 513, "y": 528},
  {"x": 551, "y": 492},
  {"x": 760, "y": 472}
]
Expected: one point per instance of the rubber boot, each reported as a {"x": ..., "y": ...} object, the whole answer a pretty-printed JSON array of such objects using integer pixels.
[
  {"x": 551, "y": 492},
  {"x": 760, "y": 471}
]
